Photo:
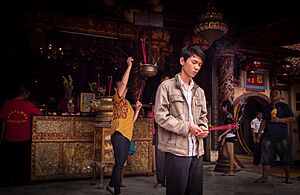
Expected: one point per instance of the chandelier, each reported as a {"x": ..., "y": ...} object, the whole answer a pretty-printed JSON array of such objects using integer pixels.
[
  {"x": 211, "y": 26},
  {"x": 286, "y": 67},
  {"x": 250, "y": 64},
  {"x": 52, "y": 51}
]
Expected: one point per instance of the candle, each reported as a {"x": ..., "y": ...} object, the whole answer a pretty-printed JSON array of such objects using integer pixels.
[
  {"x": 109, "y": 84},
  {"x": 140, "y": 90},
  {"x": 144, "y": 50},
  {"x": 98, "y": 80}
]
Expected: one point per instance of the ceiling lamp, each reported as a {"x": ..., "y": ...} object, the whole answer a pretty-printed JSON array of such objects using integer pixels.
[
  {"x": 52, "y": 51},
  {"x": 250, "y": 64},
  {"x": 211, "y": 26},
  {"x": 286, "y": 68}
]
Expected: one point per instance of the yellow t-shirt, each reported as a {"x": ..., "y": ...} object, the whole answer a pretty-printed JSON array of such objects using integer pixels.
[{"x": 122, "y": 117}]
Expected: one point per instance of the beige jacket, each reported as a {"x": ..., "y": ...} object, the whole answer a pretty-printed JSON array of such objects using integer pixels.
[{"x": 171, "y": 115}]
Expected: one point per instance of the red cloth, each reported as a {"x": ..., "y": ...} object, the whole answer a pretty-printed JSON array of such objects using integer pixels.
[
  {"x": 150, "y": 114},
  {"x": 17, "y": 116}
]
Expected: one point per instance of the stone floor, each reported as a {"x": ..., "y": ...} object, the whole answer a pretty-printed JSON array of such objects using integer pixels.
[{"x": 214, "y": 184}]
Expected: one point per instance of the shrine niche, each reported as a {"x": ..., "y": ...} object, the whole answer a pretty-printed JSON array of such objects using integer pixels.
[{"x": 256, "y": 81}]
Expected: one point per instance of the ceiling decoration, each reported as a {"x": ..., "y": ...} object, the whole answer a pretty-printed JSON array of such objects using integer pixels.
[
  {"x": 211, "y": 26},
  {"x": 250, "y": 64},
  {"x": 292, "y": 64}
]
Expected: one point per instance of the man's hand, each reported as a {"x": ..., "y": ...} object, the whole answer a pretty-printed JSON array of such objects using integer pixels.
[
  {"x": 276, "y": 120},
  {"x": 203, "y": 134},
  {"x": 201, "y": 131}
]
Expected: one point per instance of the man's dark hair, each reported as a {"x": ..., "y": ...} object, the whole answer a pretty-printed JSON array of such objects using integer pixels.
[
  {"x": 190, "y": 50},
  {"x": 258, "y": 112},
  {"x": 275, "y": 89},
  {"x": 228, "y": 105},
  {"x": 23, "y": 89}
]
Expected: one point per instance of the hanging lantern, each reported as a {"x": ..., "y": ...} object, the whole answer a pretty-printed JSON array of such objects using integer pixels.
[
  {"x": 250, "y": 65},
  {"x": 286, "y": 68},
  {"x": 211, "y": 26}
]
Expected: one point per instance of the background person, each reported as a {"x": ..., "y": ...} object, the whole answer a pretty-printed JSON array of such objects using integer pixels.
[
  {"x": 276, "y": 139},
  {"x": 16, "y": 138},
  {"x": 228, "y": 137},
  {"x": 255, "y": 124}
]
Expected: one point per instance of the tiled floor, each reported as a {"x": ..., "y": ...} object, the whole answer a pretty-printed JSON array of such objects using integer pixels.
[{"x": 214, "y": 184}]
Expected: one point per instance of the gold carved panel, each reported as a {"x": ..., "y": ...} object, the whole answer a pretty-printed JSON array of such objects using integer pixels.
[
  {"x": 46, "y": 160},
  {"x": 54, "y": 128},
  {"x": 141, "y": 161},
  {"x": 143, "y": 128},
  {"x": 78, "y": 158},
  {"x": 62, "y": 147}
]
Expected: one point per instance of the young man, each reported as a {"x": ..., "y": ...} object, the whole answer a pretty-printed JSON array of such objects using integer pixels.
[
  {"x": 275, "y": 121},
  {"x": 255, "y": 124},
  {"x": 180, "y": 112}
]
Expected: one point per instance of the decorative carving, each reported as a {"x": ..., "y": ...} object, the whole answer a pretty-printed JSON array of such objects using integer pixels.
[
  {"x": 226, "y": 75},
  {"x": 139, "y": 163},
  {"x": 61, "y": 147}
]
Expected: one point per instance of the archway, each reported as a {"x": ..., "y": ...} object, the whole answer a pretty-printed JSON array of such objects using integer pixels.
[{"x": 245, "y": 108}]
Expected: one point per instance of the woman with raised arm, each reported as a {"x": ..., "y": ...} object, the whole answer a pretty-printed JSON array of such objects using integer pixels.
[{"x": 121, "y": 128}]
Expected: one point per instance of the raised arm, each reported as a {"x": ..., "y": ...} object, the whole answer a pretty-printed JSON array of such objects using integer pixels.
[
  {"x": 123, "y": 83},
  {"x": 138, "y": 106}
]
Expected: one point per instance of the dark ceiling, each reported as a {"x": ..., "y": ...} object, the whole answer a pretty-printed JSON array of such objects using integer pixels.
[
  {"x": 261, "y": 22},
  {"x": 254, "y": 25}
]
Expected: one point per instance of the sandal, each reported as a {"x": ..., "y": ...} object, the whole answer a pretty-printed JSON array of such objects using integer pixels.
[
  {"x": 261, "y": 180},
  {"x": 110, "y": 189},
  {"x": 237, "y": 170},
  {"x": 228, "y": 174}
]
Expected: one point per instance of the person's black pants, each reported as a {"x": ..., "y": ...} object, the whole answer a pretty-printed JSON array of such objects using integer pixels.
[
  {"x": 121, "y": 147},
  {"x": 184, "y": 175},
  {"x": 15, "y": 169},
  {"x": 257, "y": 152}
]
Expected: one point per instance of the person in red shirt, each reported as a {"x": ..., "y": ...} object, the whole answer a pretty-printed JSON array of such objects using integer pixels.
[{"x": 16, "y": 138}]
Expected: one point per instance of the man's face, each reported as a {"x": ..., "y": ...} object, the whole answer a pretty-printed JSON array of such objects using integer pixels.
[
  {"x": 275, "y": 96},
  {"x": 259, "y": 115},
  {"x": 192, "y": 65}
]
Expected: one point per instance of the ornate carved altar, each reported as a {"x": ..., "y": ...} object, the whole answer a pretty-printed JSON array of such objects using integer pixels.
[{"x": 63, "y": 148}]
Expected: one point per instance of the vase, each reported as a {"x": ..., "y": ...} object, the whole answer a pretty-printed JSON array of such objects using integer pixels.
[
  {"x": 104, "y": 108},
  {"x": 70, "y": 106}
]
